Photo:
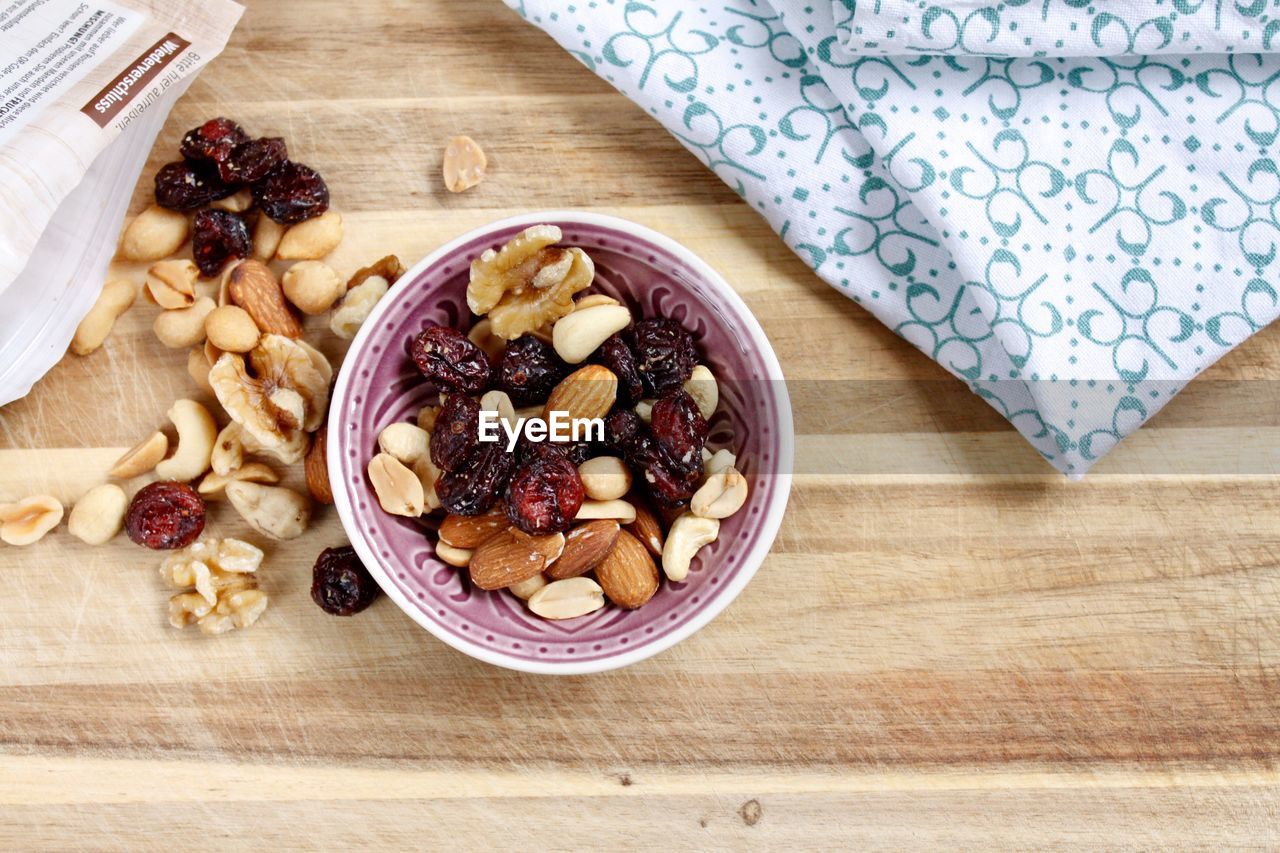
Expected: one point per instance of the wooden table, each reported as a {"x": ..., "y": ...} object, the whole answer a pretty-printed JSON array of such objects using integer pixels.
[{"x": 950, "y": 643}]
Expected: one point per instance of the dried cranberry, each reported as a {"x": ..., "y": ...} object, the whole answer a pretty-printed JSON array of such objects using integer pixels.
[
  {"x": 186, "y": 186},
  {"x": 529, "y": 370},
  {"x": 450, "y": 359},
  {"x": 616, "y": 355},
  {"x": 251, "y": 161},
  {"x": 340, "y": 583},
  {"x": 165, "y": 515},
  {"x": 218, "y": 236},
  {"x": 473, "y": 487},
  {"x": 456, "y": 432},
  {"x": 621, "y": 428},
  {"x": 679, "y": 428},
  {"x": 291, "y": 193},
  {"x": 579, "y": 451},
  {"x": 669, "y": 482},
  {"x": 665, "y": 354},
  {"x": 213, "y": 140},
  {"x": 545, "y": 492}
]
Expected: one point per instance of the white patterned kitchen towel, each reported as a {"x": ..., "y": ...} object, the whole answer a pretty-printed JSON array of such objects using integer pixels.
[{"x": 1074, "y": 231}]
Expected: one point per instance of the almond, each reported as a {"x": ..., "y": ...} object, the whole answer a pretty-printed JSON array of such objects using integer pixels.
[
  {"x": 588, "y": 392},
  {"x": 627, "y": 574},
  {"x": 647, "y": 528},
  {"x": 584, "y": 547},
  {"x": 316, "y": 469},
  {"x": 253, "y": 286},
  {"x": 472, "y": 531},
  {"x": 513, "y": 556}
]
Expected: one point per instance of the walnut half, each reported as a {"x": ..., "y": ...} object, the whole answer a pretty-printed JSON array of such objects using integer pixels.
[
  {"x": 278, "y": 393},
  {"x": 226, "y": 593},
  {"x": 529, "y": 283}
]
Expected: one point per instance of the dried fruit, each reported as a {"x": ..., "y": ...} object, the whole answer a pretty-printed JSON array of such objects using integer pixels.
[
  {"x": 665, "y": 354},
  {"x": 387, "y": 268},
  {"x": 464, "y": 164},
  {"x": 291, "y": 193},
  {"x": 450, "y": 360},
  {"x": 567, "y": 599},
  {"x": 669, "y": 483},
  {"x": 187, "y": 186},
  {"x": 584, "y": 547},
  {"x": 165, "y": 516},
  {"x": 253, "y": 286},
  {"x": 588, "y": 392},
  {"x": 474, "y": 487},
  {"x": 340, "y": 584},
  {"x": 456, "y": 431},
  {"x": 218, "y": 236},
  {"x": 251, "y": 161},
  {"x": 472, "y": 531},
  {"x": 279, "y": 396},
  {"x": 628, "y": 574},
  {"x": 529, "y": 370},
  {"x": 615, "y": 354},
  {"x": 528, "y": 283},
  {"x": 621, "y": 429},
  {"x": 679, "y": 429},
  {"x": 545, "y": 493},
  {"x": 213, "y": 141},
  {"x": 686, "y": 537},
  {"x": 513, "y": 556}
]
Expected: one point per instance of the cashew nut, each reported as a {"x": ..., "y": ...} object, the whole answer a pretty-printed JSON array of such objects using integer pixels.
[
  {"x": 172, "y": 284},
  {"x": 116, "y": 297},
  {"x": 398, "y": 488},
  {"x": 98, "y": 516},
  {"x": 721, "y": 495},
  {"x": 687, "y": 535},
  {"x": 273, "y": 510},
  {"x": 141, "y": 458},
  {"x": 500, "y": 403},
  {"x": 28, "y": 520},
  {"x": 154, "y": 233},
  {"x": 701, "y": 386},
  {"x": 183, "y": 327},
  {"x": 578, "y": 335},
  {"x": 406, "y": 442},
  {"x": 197, "y": 433},
  {"x": 605, "y": 478},
  {"x": 312, "y": 286},
  {"x": 214, "y": 484}
]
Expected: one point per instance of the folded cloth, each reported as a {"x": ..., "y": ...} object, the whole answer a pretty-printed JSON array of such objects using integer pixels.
[{"x": 1076, "y": 237}]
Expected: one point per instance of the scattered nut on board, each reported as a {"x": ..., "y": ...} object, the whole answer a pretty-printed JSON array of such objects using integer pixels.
[
  {"x": 116, "y": 298},
  {"x": 464, "y": 164}
]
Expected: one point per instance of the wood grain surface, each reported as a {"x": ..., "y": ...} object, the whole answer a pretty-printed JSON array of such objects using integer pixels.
[{"x": 950, "y": 644}]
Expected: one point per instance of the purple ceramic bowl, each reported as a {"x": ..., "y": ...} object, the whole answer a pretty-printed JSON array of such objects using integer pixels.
[{"x": 379, "y": 385}]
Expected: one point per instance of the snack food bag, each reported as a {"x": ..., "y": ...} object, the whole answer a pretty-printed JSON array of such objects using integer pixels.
[{"x": 84, "y": 89}]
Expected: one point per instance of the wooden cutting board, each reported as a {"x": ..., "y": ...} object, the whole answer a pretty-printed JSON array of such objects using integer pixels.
[{"x": 949, "y": 645}]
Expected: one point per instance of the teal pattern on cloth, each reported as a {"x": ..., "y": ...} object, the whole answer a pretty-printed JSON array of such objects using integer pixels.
[{"x": 1076, "y": 236}]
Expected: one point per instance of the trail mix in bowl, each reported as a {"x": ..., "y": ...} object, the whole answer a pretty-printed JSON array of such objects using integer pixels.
[{"x": 567, "y": 452}]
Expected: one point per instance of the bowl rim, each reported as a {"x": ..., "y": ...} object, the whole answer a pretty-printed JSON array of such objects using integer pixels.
[{"x": 768, "y": 525}]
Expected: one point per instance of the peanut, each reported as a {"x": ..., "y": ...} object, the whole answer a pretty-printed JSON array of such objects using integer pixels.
[
  {"x": 214, "y": 484},
  {"x": 116, "y": 297},
  {"x": 313, "y": 286},
  {"x": 154, "y": 233},
  {"x": 172, "y": 284},
  {"x": 398, "y": 488},
  {"x": 624, "y": 512},
  {"x": 141, "y": 458},
  {"x": 713, "y": 463},
  {"x": 231, "y": 329},
  {"x": 98, "y": 516},
  {"x": 567, "y": 599},
  {"x": 266, "y": 238},
  {"x": 605, "y": 478},
  {"x": 721, "y": 495},
  {"x": 526, "y": 588},
  {"x": 26, "y": 521},
  {"x": 311, "y": 239},
  {"x": 198, "y": 370},
  {"x": 406, "y": 442},
  {"x": 183, "y": 327},
  {"x": 456, "y": 557}
]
